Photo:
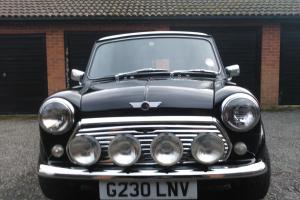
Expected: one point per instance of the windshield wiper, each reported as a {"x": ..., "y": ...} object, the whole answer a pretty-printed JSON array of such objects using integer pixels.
[
  {"x": 130, "y": 73},
  {"x": 143, "y": 71},
  {"x": 195, "y": 72},
  {"x": 139, "y": 71}
]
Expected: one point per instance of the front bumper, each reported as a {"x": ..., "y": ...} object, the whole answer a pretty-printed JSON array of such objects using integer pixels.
[{"x": 213, "y": 172}]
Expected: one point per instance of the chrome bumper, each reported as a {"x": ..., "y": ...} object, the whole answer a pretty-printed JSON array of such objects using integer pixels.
[{"x": 213, "y": 172}]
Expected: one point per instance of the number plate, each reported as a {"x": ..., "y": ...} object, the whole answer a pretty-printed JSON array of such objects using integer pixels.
[{"x": 148, "y": 189}]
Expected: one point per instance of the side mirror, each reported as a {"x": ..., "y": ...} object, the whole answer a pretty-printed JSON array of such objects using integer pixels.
[
  {"x": 76, "y": 75},
  {"x": 232, "y": 70}
]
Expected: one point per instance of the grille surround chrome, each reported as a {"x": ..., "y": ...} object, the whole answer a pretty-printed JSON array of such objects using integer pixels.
[{"x": 145, "y": 128}]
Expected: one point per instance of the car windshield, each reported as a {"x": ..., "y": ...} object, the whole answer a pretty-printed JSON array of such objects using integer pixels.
[{"x": 168, "y": 54}]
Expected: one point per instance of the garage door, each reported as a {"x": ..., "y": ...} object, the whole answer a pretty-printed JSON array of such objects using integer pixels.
[
  {"x": 238, "y": 46},
  {"x": 79, "y": 46},
  {"x": 290, "y": 66},
  {"x": 23, "y": 82}
]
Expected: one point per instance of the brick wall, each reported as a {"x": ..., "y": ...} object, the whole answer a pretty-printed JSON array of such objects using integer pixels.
[
  {"x": 55, "y": 60},
  {"x": 270, "y": 64}
]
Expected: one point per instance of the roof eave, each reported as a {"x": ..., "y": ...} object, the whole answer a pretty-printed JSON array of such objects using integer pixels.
[{"x": 137, "y": 18}]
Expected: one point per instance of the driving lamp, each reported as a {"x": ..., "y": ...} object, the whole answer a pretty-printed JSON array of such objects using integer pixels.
[
  {"x": 56, "y": 116},
  {"x": 207, "y": 148},
  {"x": 84, "y": 150},
  {"x": 124, "y": 150},
  {"x": 240, "y": 112},
  {"x": 166, "y": 149}
]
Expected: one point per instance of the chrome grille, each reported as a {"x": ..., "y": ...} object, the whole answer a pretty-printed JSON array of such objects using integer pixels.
[{"x": 146, "y": 130}]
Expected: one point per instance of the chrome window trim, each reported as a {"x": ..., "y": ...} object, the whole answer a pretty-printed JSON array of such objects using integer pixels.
[
  {"x": 97, "y": 45},
  {"x": 146, "y": 33}
]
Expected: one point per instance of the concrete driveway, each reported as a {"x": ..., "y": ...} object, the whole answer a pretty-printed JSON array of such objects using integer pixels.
[{"x": 19, "y": 151}]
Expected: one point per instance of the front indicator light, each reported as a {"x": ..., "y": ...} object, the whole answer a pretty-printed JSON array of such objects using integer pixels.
[
  {"x": 166, "y": 149},
  {"x": 57, "y": 151},
  {"x": 240, "y": 148},
  {"x": 207, "y": 148}
]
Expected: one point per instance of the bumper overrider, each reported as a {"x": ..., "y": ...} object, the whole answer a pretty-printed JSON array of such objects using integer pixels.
[{"x": 213, "y": 172}]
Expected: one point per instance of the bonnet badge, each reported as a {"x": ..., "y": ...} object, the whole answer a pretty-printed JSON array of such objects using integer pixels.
[{"x": 145, "y": 105}]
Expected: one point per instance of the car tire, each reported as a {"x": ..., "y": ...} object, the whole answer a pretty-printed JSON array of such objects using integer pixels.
[
  {"x": 57, "y": 189},
  {"x": 255, "y": 188}
]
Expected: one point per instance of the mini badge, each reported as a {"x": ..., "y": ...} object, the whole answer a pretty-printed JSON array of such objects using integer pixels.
[{"x": 145, "y": 105}]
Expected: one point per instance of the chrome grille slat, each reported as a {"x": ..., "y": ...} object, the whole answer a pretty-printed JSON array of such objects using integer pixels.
[
  {"x": 113, "y": 133},
  {"x": 104, "y": 142},
  {"x": 146, "y": 130},
  {"x": 132, "y": 127},
  {"x": 146, "y": 136},
  {"x": 145, "y": 140},
  {"x": 186, "y": 131}
]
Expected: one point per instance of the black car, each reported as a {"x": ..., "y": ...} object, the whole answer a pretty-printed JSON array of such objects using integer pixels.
[{"x": 154, "y": 116}]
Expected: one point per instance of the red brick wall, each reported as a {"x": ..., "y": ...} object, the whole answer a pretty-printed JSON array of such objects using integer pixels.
[
  {"x": 55, "y": 60},
  {"x": 270, "y": 64}
]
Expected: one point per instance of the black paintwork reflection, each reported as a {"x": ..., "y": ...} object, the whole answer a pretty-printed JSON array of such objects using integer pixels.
[{"x": 173, "y": 93}]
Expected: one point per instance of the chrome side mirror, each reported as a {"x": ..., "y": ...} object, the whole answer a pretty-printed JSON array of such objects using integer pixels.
[
  {"x": 232, "y": 71},
  {"x": 77, "y": 75}
]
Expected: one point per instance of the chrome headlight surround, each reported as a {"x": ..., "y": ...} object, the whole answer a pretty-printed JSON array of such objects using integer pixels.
[
  {"x": 240, "y": 112},
  {"x": 83, "y": 150},
  {"x": 124, "y": 150},
  {"x": 207, "y": 148},
  {"x": 162, "y": 148},
  {"x": 56, "y": 116}
]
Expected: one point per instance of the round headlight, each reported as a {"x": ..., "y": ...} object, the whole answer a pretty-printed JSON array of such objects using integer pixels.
[
  {"x": 124, "y": 150},
  {"x": 240, "y": 112},
  {"x": 166, "y": 149},
  {"x": 84, "y": 150},
  {"x": 56, "y": 116},
  {"x": 207, "y": 148}
]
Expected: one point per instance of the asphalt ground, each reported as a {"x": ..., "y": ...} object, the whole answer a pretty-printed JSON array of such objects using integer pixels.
[{"x": 19, "y": 140}]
